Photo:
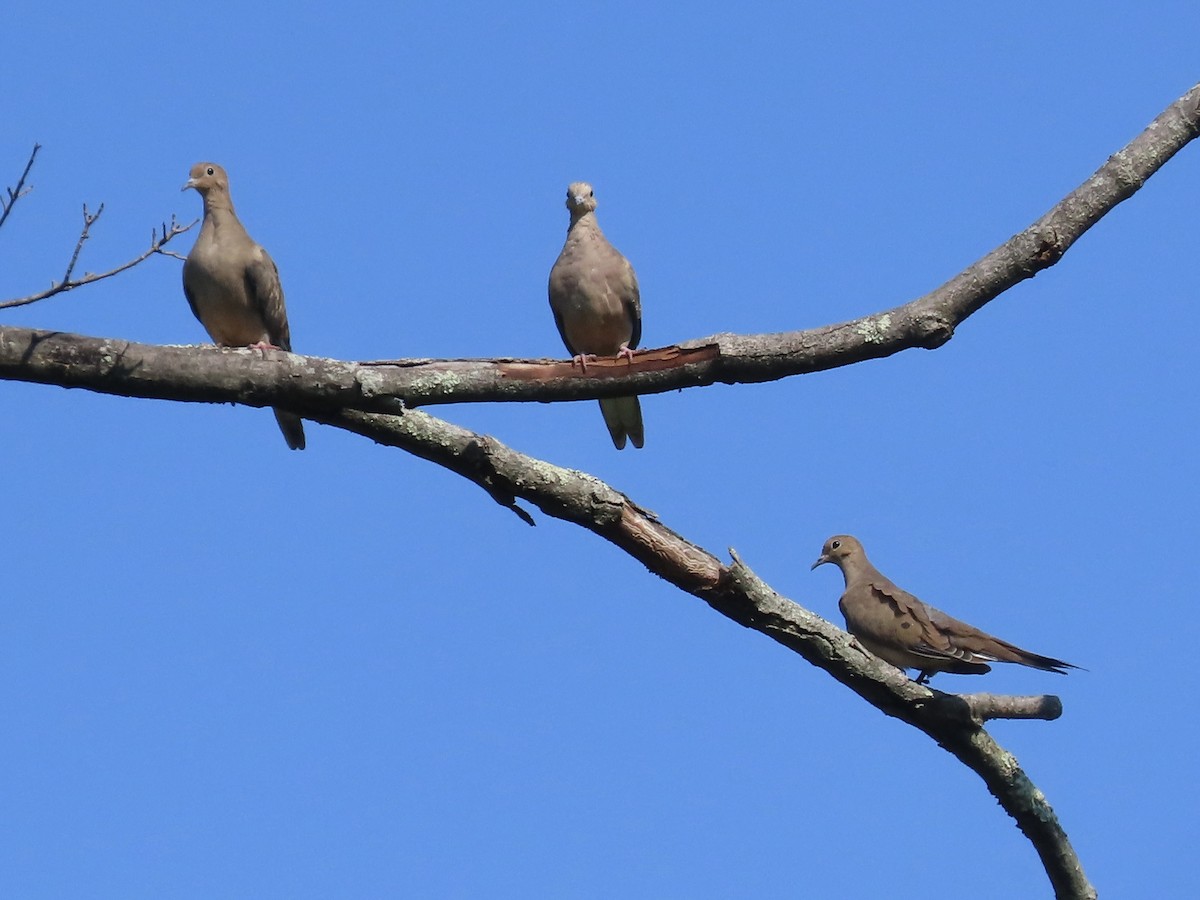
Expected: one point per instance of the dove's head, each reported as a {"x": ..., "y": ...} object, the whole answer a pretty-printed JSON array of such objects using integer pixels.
[
  {"x": 838, "y": 549},
  {"x": 206, "y": 176},
  {"x": 580, "y": 198}
]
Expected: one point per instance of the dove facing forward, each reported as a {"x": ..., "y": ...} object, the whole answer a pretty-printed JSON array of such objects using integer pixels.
[
  {"x": 232, "y": 284},
  {"x": 910, "y": 634},
  {"x": 597, "y": 307}
]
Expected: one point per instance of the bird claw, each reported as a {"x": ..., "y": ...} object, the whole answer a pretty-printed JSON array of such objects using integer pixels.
[
  {"x": 263, "y": 347},
  {"x": 581, "y": 359}
]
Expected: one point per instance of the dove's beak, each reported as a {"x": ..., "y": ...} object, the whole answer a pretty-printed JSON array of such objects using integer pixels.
[
  {"x": 190, "y": 183},
  {"x": 821, "y": 560}
]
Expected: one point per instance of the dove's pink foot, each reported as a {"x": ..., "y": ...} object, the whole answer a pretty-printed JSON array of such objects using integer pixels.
[
  {"x": 263, "y": 347},
  {"x": 581, "y": 359}
]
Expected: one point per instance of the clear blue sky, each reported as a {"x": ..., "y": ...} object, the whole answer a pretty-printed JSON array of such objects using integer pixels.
[{"x": 229, "y": 670}]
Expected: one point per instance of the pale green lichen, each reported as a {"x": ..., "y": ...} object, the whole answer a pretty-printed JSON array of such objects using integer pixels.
[
  {"x": 434, "y": 384},
  {"x": 874, "y": 329},
  {"x": 375, "y": 383},
  {"x": 371, "y": 382}
]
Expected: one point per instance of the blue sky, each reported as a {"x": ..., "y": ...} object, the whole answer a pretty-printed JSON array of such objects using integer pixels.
[{"x": 227, "y": 670}]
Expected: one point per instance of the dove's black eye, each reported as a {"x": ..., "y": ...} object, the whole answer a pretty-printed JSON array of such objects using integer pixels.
[
  {"x": 210, "y": 171},
  {"x": 834, "y": 545},
  {"x": 591, "y": 193}
]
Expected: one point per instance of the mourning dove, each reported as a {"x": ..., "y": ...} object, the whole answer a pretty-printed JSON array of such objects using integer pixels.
[
  {"x": 896, "y": 626},
  {"x": 594, "y": 296},
  {"x": 232, "y": 285}
]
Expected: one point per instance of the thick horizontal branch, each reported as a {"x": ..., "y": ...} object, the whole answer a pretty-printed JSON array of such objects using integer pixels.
[
  {"x": 312, "y": 385},
  {"x": 735, "y": 592},
  {"x": 204, "y": 373},
  {"x": 927, "y": 322}
]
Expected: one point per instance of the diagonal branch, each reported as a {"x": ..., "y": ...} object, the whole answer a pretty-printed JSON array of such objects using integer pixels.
[
  {"x": 735, "y": 592},
  {"x": 15, "y": 194},
  {"x": 157, "y": 242}
]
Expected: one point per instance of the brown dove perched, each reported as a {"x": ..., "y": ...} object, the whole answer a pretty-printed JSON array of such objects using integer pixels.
[
  {"x": 232, "y": 285},
  {"x": 897, "y": 627},
  {"x": 597, "y": 308}
]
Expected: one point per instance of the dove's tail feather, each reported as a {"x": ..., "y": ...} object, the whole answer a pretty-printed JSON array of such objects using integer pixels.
[
  {"x": 993, "y": 649},
  {"x": 292, "y": 427},
  {"x": 623, "y": 416},
  {"x": 1037, "y": 661}
]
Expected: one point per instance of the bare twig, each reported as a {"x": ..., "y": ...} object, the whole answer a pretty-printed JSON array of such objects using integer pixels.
[
  {"x": 157, "y": 242},
  {"x": 84, "y": 234},
  {"x": 15, "y": 194}
]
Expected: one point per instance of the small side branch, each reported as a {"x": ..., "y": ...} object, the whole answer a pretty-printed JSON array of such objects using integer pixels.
[
  {"x": 158, "y": 240},
  {"x": 981, "y": 708},
  {"x": 12, "y": 195}
]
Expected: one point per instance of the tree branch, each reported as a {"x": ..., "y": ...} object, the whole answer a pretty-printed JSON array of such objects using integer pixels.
[
  {"x": 312, "y": 384},
  {"x": 358, "y": 398},
  {"x": 66, "y": 284},
  {"x": 927, "y": 322},
  {"x": 15, "y": 194},
  {"x": 983, "y": 707},
  {"x": 735, "y": 592}
]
